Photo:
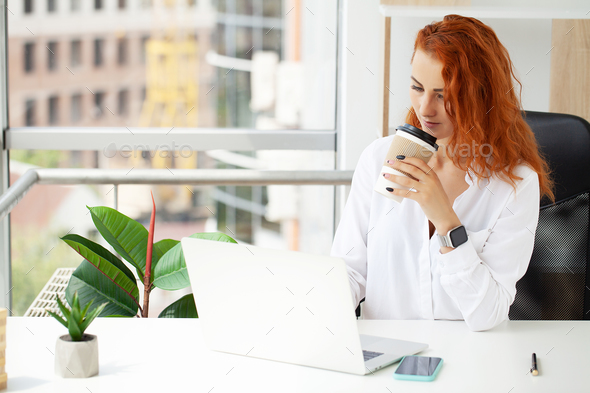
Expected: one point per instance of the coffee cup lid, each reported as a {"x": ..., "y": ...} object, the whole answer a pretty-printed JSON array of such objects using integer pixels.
[{"x": 418, "y": 133}]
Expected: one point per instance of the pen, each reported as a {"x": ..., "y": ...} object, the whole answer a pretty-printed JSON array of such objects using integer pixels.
[{"x": 534, "y": 370}]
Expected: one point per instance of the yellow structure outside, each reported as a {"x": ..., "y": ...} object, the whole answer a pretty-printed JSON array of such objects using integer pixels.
[{"x": 172, "y": 92}]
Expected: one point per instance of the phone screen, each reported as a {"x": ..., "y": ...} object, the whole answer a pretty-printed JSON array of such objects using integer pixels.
[{"x": 418, "y": 365}]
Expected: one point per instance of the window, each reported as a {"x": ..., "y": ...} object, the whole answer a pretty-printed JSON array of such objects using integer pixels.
[
  {"x": 122, "y": 51},
  {"x": 30, "y": 113},
  {"x": 29, "y": 57},
  {"x": 75, "y": 53},
  {"x": 76, "y": 113},
  {"x": 51, "y": 5},
  {"x": 143, "y": 48},
  {"x": 212, "y": 93},
  {"x": 271, "y": 8},
  {"x": 98, "y": 104},
  {"x": 53, "y": 110},
  {"x": 28, "y": 6},
  {"x": 123, "y": 102},
  {"x": 98, "y": 49},
  {"x": 52, "y": 56}
]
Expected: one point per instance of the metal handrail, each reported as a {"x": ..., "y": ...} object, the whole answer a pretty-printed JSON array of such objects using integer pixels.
[{"x": 200, "y": 177}]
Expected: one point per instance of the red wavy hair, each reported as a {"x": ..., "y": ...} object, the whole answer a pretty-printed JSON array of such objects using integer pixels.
[{"x": 481, "y": 101}]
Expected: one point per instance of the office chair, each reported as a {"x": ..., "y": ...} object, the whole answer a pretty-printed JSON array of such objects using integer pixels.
[{"x": 557, "y": 282}]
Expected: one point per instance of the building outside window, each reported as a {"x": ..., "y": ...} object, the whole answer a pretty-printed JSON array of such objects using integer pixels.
[
  {"x": 122, "y": 51},
  {"x": 75, "y": 53},
  {"x": 29, "y": 59},
  {"x": 142, "y": 49},
  {"x": 98, "y": 52},
  {"x": 52, "y": 56},
  {"x": 75, "y": 5},
  {"x": 51, "y": 5},
  {"x": 76, "y": 105},
  {"x": 98, "y": 104},
  {"x": 123, "y": 102},
  {"x": 28, "y": 6},
  {"x": 53, "y": 110},
  {"x": 30, "y": 113}
]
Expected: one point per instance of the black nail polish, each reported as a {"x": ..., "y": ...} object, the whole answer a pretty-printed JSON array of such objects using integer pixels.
[
  {"x": 400, "y": 157},
  {"x": 389, "y": 189}
]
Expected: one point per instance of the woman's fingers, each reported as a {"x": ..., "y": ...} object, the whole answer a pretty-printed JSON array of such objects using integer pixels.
[
  {"x": 403, "y": 181},
  {"x": 413, "y": 166},
  {"x": 403, "y": 193}
]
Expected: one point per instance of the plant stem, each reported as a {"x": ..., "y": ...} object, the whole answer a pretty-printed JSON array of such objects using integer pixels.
[{"x": 147, "y": 285}]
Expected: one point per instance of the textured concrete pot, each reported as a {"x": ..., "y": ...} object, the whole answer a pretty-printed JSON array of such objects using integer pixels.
[{"x": 76, "y": 359}]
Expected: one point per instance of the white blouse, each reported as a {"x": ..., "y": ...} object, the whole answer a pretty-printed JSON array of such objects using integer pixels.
[{"x": 400, "y": 271}]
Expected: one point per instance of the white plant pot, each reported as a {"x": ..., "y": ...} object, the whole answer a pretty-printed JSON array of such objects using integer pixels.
[{"x": 76, "y": 359}]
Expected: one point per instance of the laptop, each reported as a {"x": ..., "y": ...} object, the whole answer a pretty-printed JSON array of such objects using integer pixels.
[{"x": 285, "y": 306}]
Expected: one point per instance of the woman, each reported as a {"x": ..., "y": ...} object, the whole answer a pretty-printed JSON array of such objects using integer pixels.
[{"x": 487, "y": 177}]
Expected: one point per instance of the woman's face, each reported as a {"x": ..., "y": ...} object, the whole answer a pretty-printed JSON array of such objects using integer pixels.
[{"x": 426, "y": 93}]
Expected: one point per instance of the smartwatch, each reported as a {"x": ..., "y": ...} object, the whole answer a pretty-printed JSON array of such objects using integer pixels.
[{"x": 454, "y": 238}]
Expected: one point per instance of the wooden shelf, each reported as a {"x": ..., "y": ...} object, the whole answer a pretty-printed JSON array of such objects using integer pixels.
[{"x": 485, "y": 12}]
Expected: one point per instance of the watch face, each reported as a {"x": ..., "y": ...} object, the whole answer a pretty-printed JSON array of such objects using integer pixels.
[{"x": 458, "y": 236}]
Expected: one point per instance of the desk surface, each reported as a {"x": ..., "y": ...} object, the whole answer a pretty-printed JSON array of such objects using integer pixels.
[{"x": 167, "y": 355}]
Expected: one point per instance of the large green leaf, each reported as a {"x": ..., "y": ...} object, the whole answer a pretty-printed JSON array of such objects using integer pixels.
[
  {"x": 93, "y": 284},
  {"x": 106, "y": 262},
  {"x": 182, "y": 308},
  {"x": 170, "y": 273},
  {"x": 127, "y": 236},
  {"x": 164, "y": 245}
]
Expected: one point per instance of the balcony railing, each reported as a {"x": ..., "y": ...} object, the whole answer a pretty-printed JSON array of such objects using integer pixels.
[{"x": 197, "y": 177}]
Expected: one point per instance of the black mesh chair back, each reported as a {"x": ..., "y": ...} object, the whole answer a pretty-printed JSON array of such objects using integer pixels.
[{"x": 557, "y": 284}]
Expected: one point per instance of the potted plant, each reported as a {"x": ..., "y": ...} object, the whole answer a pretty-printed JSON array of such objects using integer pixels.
[
  {"x": 76, "y": 353},
  {"x": 104, "y": 276}
]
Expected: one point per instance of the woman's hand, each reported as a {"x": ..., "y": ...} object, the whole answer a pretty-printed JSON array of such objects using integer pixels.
[{"x": 429, "y": 194}]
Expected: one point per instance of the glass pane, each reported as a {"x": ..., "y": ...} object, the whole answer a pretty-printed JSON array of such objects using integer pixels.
[
  {"x": 282, "y": 217},
  {"x": 239, "y": 63}
]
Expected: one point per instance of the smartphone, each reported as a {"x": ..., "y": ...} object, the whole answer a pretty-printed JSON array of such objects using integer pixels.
[{"x": 418, "y": 368}]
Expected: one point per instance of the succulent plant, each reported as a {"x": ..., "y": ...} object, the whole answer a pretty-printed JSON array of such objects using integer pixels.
[{"x": 76, "y": 320}]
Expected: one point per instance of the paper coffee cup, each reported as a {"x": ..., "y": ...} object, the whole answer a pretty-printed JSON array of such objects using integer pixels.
[{"x": 408, "y": 141}]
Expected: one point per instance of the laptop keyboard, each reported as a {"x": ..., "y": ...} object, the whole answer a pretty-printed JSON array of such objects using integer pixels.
[{"x": 368, "y": 355}]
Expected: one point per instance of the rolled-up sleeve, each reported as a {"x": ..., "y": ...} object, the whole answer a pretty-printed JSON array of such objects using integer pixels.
[
  {"x": 482, "y": 283},
  {"x": 350, "y": 240}
]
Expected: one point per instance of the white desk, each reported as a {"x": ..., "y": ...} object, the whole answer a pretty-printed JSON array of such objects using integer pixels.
[{"x": 170, "y": 356}]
